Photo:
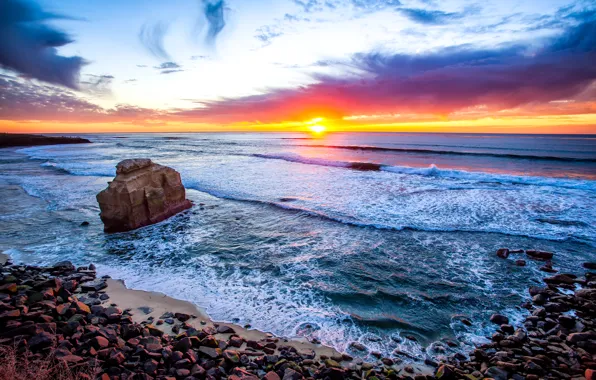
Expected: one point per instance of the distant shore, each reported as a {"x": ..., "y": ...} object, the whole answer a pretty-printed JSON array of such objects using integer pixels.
[{"x": 8, "y": 140}]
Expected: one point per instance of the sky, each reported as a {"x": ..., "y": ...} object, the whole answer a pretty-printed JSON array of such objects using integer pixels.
[{"x": 507, "y": 66}]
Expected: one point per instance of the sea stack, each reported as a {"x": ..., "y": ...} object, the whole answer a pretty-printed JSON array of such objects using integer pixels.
[{"x": 142, "y": 193}]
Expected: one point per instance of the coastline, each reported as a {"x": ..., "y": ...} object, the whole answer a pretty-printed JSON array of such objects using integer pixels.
[
  {"x": 149, "y": 308},
  {"x": 160, "y": 304},
  {"x": 73, "y": 317},
  {"x": 15, "y": 140}
]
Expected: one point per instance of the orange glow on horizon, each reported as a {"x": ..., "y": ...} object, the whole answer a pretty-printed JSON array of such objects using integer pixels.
[
  {"x": 548, "y": 124},
  {"x": 317, "y": 129}
]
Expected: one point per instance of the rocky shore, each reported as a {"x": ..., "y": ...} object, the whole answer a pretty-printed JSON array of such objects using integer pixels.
[
  {"x": 89, "y": 327},
  {"x": 13, "y": 139}
]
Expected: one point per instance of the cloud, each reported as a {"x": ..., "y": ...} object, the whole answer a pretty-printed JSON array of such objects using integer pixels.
[
  {"x": 213, "y": 11},
  {"x": 170, "y": 71},
  {"x": 28, "y": 45},
  {"x": 435, "y": 17},
  {"x": 168, "y": 65},
  {"x": 564, "y": 17},
  {"x": 28, "y": 101},
  {"x": 441, "y": 82},
  {"x": 152, "y": 37},
  {"x": 169, "y": 68},
  {"x": 311, "y": 6},
  {"x": 98, "y": 85},
  {"x": 267, "y": 33}
]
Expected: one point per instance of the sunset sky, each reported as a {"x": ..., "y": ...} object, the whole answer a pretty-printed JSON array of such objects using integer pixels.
[{"x": 502, "y": 66}]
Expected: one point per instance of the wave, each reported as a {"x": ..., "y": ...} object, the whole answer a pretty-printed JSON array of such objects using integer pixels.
[
  {"x": 453, "y": 152},
  {"x": 364, "y": 166},
  {"x": 349, "y": 221},
  {"x": 80, "y": 169},
  {"x": 434, "y": 171}
]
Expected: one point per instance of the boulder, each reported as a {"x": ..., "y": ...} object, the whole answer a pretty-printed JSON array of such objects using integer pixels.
[
  {"x": 503, "y": 253},
  {"x": 539, "y": 255},
  {"x": 142, "y": 193}
]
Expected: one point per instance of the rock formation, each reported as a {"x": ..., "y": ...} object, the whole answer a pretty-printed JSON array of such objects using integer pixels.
[{"x": 142, "y": 193}]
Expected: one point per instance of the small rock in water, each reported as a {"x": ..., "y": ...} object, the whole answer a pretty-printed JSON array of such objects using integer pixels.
[
  {"x": 358, "y": 346},
  {"x": 591, "y": 266},
  {"x": 520, "y": 263},
  {"x": 499, "y": 319},
  {"x": 503, "y": 253},
  {"x": 540, "y": 255},
  {"x": 85, "y": 224}
]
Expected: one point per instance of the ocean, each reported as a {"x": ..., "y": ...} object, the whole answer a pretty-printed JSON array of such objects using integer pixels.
[{"x": 387, "y": 239}]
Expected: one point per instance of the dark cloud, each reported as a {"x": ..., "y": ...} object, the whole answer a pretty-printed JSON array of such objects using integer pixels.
[
  {"x": 213, "y": 11},
  {"x": 443, "y": 82},
  {"x": 152, "y": 37},
  {"x": 31, "y": 102},
  {"x": 27, "y": 101},
  {"x": 435, "y": 17},
  {"x": 28, "y": 45},
  {"x": 563, "y": 18}
]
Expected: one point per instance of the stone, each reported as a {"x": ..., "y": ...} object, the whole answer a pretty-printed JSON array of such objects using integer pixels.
[
  {"x": 540, "y": 255},
  {"x": 210, "y": 352},
  {"x": 271, "y": 376},
  {"x": 93, "y": 286},
  {"x": 520, "y": 263},
  {"x": 184, "y": 345},
  {"x": 503, "y": 253},
  {"x": 71, "y": 359},
  {"x": 580, "y": 337},
  {"x": 290, "y": 374},
  {"x": 499, "y": 319},
  {"x": 182, "y": 317},
  {"x": 445, "y": 372},
  {"x": 358, "y": 346},
  {"x": 99, "y": 342},
  {"x": 497, "y": 373},
  {"x": 142, "y": 193},
  {"x": 41, "y": 341},
  {"x": 64, "y": 265},
  {"x": 589, "y": 294},
  {"x": 8, "y": 288},
  {"x": 225, "y": 330}
]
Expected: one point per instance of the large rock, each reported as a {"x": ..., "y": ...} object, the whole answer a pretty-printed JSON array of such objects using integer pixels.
[{"x": 142, "y": 193}]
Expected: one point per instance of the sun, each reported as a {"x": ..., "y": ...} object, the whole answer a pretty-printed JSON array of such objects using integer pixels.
[{"x": 318, "y": 129}]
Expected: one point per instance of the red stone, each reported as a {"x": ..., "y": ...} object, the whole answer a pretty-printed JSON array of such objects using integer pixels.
[{"x": 142, "y": 193}]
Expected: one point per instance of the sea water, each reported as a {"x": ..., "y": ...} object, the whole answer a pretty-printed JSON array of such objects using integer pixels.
[{"x": 385, "y": 239}]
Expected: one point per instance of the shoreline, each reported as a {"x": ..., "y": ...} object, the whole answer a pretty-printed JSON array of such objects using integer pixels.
[
  {"x": 159, "y": 304},
  {"x": 148, "y": 307},
  {"x": 21, "y": 140},
  {"x": 71, "y": 316}
]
